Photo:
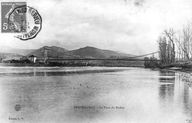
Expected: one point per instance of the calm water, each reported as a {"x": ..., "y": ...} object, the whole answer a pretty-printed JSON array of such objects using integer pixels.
[{"x": 93, "y": 95}]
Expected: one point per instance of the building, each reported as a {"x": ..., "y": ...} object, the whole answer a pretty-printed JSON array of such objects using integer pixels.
[{"x": 32, "y": 58}]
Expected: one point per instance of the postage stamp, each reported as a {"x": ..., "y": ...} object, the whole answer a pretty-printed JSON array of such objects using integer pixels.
[
  {"x": 17, "y": 17},
  {"x": 13, "y": 19}
]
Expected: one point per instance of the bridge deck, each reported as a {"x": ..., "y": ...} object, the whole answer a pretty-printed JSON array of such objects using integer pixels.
[{"x": 87, "y": 59}]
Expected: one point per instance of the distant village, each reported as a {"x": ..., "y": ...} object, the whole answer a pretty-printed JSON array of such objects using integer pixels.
[{"x": 23, "y": 59}]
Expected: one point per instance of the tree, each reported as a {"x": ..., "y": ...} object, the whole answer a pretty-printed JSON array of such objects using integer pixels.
[
  {"x": 170, "y": 34},
  {"x": 184, "y": 42},
  {"x": 167, "y": 47},
  {"x": 162, "y": 49}
]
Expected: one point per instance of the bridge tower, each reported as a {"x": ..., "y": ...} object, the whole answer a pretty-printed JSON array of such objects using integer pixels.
[{"x": 45, "y": 54}]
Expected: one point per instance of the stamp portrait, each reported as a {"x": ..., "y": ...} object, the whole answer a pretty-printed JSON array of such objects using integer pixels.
[{"x": 13, "y": 17}]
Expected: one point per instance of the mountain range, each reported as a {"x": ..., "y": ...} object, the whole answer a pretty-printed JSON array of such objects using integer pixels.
[{"x": 59, "y": 52}]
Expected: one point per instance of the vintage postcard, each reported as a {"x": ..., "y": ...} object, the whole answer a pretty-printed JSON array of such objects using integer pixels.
[{"x": 96, "y": 61}]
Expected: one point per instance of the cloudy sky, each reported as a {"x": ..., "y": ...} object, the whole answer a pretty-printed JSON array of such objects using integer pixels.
[{"x": 130, "y": 26}]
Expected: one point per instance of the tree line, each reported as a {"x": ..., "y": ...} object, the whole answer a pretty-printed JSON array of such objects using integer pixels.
[{"x": 175, "y": 46}]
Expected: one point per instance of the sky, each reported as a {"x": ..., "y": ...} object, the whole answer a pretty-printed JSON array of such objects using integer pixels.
[{"x": 129, "y": 26}]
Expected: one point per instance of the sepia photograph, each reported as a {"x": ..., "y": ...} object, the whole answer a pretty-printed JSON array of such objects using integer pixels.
[{"x": 96, "y": 61}]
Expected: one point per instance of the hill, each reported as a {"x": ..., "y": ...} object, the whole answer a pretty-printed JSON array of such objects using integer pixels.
[
  {"x": 59, "y": 52},
  {"x": 86, "y": 52},
  {"x": 92, "y": 52},
  {"x": 9, "y": 56},
  {"x": 52, "y": 52}
]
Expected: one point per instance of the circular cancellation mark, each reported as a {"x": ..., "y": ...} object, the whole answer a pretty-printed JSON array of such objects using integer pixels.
[{"x": 33, "y": 24}]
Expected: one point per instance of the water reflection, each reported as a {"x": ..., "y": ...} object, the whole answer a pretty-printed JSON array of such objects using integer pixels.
[
  {"x": 48, "y": 95},
  {"x": 187, "y": 94},
  {"x": 173, "y": 91},
  {"x": 53, "y": 71},
  {"x": 167, "y": 82}
]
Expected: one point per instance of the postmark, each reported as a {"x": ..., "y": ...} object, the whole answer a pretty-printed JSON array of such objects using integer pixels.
[
  {"x": 34, "y": 24},
  {"x": 28, "y": 23}
]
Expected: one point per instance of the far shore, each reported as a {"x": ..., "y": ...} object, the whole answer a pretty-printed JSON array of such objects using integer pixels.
[{"x": 70, "y": 65}]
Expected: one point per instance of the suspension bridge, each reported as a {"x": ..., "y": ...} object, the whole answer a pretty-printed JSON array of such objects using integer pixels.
[{"x": 132, "y": 58}]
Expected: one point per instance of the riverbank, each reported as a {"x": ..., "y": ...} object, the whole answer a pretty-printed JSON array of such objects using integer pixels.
[
  {"x": 185, "y": 75},
  {"x": 183, "y": 66},
  {"x": 98, "y": 63}
]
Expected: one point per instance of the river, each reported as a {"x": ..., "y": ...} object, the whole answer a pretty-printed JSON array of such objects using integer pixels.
[{"x": 93, "y": 95}]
